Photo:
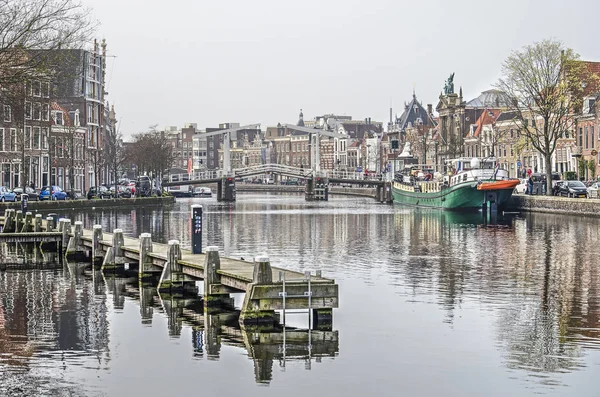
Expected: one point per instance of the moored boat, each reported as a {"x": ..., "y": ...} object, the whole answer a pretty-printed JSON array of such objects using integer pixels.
[{"x": 470, "y": 183}]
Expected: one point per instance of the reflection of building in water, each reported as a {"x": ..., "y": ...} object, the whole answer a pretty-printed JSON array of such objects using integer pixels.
[
  {"x": 537, "y": 274},
  {"x": 52, "y": 312}
]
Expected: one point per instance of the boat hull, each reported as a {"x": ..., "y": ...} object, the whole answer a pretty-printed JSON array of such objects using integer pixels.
[{"x": 461, "y": 197}]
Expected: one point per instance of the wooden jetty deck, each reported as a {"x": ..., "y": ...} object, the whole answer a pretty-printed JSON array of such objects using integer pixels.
[{"x": 267, "y": 288}]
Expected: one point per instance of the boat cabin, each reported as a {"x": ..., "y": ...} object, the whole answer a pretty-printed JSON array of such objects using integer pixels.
[{"x": 465, "y": 169}]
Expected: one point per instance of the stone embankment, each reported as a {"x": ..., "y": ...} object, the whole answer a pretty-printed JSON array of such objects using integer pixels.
[
  {"x": 556, "y": 205},
  {"x": 83, "y": 203}
]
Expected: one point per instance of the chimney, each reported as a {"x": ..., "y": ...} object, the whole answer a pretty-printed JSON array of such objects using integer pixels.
[{"x": 429, "y": 109}]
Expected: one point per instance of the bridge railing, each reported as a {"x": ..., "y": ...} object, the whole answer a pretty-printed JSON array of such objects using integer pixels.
[{"x": 212, "y": 174}]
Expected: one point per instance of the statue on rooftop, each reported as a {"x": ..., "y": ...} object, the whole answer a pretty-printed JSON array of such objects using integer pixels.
[{"x": 449, "y": 85}]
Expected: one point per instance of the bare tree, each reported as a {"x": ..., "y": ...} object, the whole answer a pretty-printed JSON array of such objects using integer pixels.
[
  {"x": 27, "y": 26},
  {"x": 151, "y": 152},
  {"x": 544, "y": 83}
]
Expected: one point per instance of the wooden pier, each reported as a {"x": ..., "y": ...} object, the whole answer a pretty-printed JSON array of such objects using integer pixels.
[{"x": 176, "y": 270}]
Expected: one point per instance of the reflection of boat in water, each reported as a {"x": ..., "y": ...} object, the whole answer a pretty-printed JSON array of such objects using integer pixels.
[{"x": 474, "y": 182}]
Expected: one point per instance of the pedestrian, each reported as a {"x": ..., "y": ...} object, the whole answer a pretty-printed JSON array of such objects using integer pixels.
[
  {"x": 529, "y": 172},
  {"x": 530, "y": 185}
]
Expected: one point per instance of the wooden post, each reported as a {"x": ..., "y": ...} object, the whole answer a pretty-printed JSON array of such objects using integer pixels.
[
  {"x": 215, "y": 294},
  {"x": 18, "y": 221},
  {"x": 27, "y": 223},
  {"x": 74, "y": 247},
  {"x": 146, "y": 268},
  {"x": 37, "y": 223},
  {"x": 114, "y": 258},
  {"x": 262, "y": 270},
  {"x": 96, "y": 248},
  {"x": 171, "y": 273},
  {"x": 49, "y": 224},
  {"x": 9, "y": 221},
  {"x": 251, "y": 312},
  {"x": 66, "y": 231}
]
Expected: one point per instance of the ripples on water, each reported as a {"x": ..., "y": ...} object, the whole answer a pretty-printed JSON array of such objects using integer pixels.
[{"x": 520, "y": 303}]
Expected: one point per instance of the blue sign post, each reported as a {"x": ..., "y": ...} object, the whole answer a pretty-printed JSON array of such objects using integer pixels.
[{"x": 518, "y": 163}]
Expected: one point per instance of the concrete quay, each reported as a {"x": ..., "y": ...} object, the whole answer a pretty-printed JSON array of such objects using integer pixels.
[
  {"x": 83, "y": 203},
  {"x": 554, "y": 205}
]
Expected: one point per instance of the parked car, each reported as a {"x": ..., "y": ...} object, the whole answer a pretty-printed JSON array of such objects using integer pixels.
[
  {"x": 100, "y": 192},
  {"x": 7, "y": 195},
  {"x": 143, "y": 186},
  {"x": 52, "y": 193},
  {"x": 521, "y": 187},
  {"x": 32, "y": 195},
  {"x": 202, "y": 192},
  {"x": 571, "y": 189},
  {"x": 592, "y": 190}
]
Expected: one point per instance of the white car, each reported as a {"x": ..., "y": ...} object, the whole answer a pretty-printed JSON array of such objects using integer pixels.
[
  {"x": 521, "y": 187},
  {"x": 592, "y": 191}
]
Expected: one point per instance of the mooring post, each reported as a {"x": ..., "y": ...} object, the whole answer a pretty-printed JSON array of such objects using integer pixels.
[
  {"x": 27, "y": 223},
  {"x": 66, "y": 231},
  {"x": 96, "y": 249},
  {"x": 9, "y": 221},
  {"x": 49, "y": 224},
  {"x": 74, "y": 245},
  {"x": 37, "y": 223},
  {"x": 215, "y": 294},
  {"x": 114, "y": 258},
  {"x": 145, "y": 264},
  {"x": 251, "y": 312},
  {"x": 171, "y": 274},
  {"x": 18, "y": 221}
]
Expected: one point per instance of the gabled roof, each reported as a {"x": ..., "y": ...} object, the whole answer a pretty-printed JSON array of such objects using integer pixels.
[
  {"x": 487, "y": 117},
  {"x": 66, "y": 118},
  {"x": 506, "y": 116},
  {"x": 413, "y": 112}
]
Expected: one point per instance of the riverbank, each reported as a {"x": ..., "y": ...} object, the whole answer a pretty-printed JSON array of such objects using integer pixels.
[
  {"x": 97, "y": 203},
  {"x": 555, "y": 205}
]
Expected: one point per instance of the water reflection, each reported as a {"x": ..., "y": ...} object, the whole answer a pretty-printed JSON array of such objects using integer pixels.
[{"x": 528, "y": 287}]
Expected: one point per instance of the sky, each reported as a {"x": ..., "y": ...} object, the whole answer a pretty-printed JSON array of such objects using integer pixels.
[{"x": 261, "y": 61}]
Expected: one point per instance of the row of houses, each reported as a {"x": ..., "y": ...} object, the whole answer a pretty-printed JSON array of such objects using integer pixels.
[{"x": 54, "y": 127}]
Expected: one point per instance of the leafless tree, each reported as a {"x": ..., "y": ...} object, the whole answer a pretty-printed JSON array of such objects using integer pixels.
[
  {"x": 151, "y": 152},
  {"x": 27, "y": 26}
]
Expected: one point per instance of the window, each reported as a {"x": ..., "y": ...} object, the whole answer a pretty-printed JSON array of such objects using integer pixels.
[
  {"x": 592, "y": 136},
  {"x": 37, "y": 88},
  {"x": 44, "y": 138},
  {"x": 13, "y": 139},
  {"x": 90, "y": 115},
  {"x": 580, "y": 136},
  {"x": 1, "y": 139},
  {"x": 28, "y": 110},
  {"x": 46, "y": 90},
  {"x": 60, "y": 148},
  {"x": 45, "y": 111},
  {"x": 586, "y": 137},
  {"x": 7, "y": 113},
  {"x": 36, "y": 138},
  {"x": 58, "y": 118},
  {"x": 37, "y": 111},
  {"x": 27, "y": 137}
]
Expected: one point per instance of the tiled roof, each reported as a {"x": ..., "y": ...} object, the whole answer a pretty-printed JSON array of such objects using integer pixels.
[
  {"x": 506, "y": 116},
  {"x": 487, "y": 117},
  {"x": 413, "y": 111}
]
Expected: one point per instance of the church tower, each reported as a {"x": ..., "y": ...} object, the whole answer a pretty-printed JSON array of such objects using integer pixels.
[{"x": 301, "y": 119}]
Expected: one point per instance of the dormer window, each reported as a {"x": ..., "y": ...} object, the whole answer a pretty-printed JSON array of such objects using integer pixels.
[{"x": 58, "y": 118}]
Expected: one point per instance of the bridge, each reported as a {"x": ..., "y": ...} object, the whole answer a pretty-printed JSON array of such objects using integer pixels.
[{"x": 316, "y": 187}]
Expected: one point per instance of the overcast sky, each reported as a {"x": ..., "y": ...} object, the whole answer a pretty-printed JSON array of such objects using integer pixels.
[{"x": 261, "y": 61}]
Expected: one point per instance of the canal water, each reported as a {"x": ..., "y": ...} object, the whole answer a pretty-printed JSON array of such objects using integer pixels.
[{"x": 431, "y": 304}]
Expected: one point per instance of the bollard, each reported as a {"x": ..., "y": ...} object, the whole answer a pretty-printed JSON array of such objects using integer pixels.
[
  {"x": 61, "y": 223},
  {"x": 54, "y": 217},
  {"x": 27, "y": 223},
  {"x": 215, "y": 294},
  {"x": 9, "y": 221},
  {"x": 253, "y": 312},
  {"x": 37, "y": 223},
  {"x": 145, "y": 263},
  {"x": 49, "y": 224},
  {"x": 96, "y": 238},
  {"x": 262, "y": 270},
  {"x": 66, "y": 231},
  {"x": 171, "y": 274},
  {"x": 18, "y": 221},
  {"x": 117, "y": 244},
  {"x": 74, "y": 245}
]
